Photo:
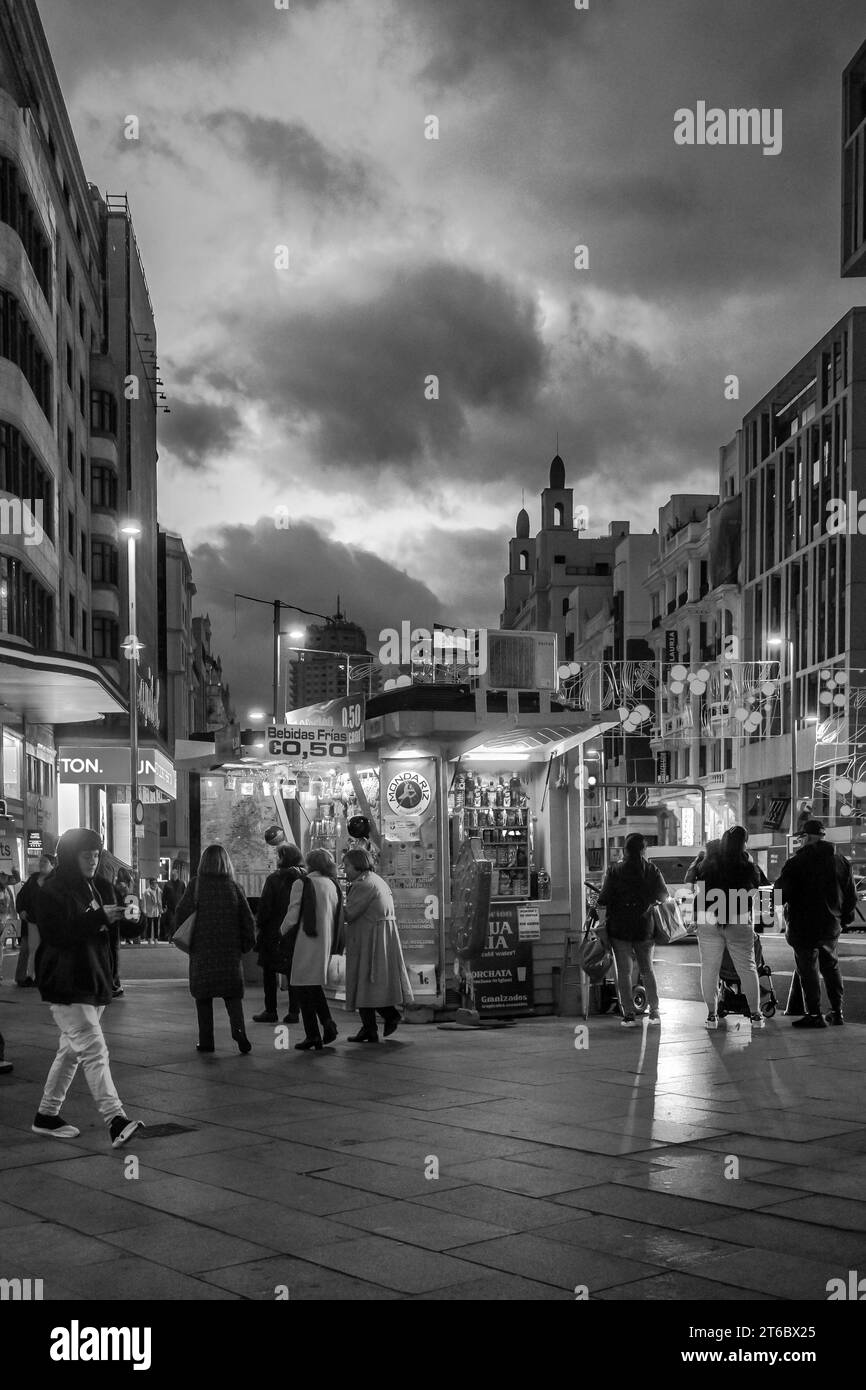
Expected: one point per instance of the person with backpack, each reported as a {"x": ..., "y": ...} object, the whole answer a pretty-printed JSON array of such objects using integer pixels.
[
  {"x": 275, "y": 951},
  {"x": 728, "y": 881},
  {"x": 316, "y": 906},
  {"x": 817, "y": 888},
  {"x": 629, "y": 890}
]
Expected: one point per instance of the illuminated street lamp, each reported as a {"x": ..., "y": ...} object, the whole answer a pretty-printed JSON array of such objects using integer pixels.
[{"x": 132, "y": 649}]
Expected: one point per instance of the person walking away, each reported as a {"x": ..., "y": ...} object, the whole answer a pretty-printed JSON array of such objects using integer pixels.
[
  {"x": 171, "y": 896},
  {"x": 73, "y": 974},
  {"x": 376, "y": 977},
  {"x": 817, "y": 888},
  {"x": 316, "y": 905},
  {"x": 629, "y": 890},
  {"x": 222, "y": 934},
  {"x": 152, "y": 907},
  {"x": 130, "y": 925},
  {"x": 275, "y": 950},
  {"x": 25, "y": 974},
  {"x": 729, "y": 880}
]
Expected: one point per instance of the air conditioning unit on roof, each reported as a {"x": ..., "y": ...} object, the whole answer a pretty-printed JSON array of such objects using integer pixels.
[{"x": 519, "y": 661}]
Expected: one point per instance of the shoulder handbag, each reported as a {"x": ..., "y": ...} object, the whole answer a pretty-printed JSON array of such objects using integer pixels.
[
  {"x": 594, "y": 957},
  {"x": 182, "y": 938},
  {"x": 668, "y": 924}
]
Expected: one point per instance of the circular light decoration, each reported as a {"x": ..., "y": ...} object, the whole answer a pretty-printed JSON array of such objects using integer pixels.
[
  {"x": 563, "y": 672},
  {"x": 623, "y": 713},
  {"x": 825, "y": 698},
  {"x": 825, "y": 675},
  {"x": 574, "y": 668},
  {"x": 843, "y": 784},
  {"x": 741, "y": 714},
  {"x": 676, "y": 687},
  {"x": 703, "y": 675},
  {"x": 643, "y": 711},
  {"x": 679, "y": 672},
  {"x": 698, "y": 687},
  {"x": 841, "y": 677},
  {"x": 846, "y": 810},
  {"x": 768, "y": 688},
  {"x": 840, "y": 700},
  {"x": 403, "y": 681},
  {"x": 389, "y": 684},
  {"x": 753, "y": 722},
  {"x": 859, "y": 789}
]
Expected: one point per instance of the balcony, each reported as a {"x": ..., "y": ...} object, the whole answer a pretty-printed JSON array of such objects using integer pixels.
[{"x": 716, "y": 781}]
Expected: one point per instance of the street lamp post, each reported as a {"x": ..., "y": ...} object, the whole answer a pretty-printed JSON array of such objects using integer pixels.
[
  {"x": 278, "y": 605},
  {"x": 132, "y": 647}
]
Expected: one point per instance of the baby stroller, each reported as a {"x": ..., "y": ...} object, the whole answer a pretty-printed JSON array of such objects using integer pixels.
[
  {"x": 607, "y": 997},
  {"x": 732, "y": 999}
]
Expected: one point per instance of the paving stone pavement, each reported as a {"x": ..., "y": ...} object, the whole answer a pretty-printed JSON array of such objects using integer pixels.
[{"x": 652, "y": 1164}]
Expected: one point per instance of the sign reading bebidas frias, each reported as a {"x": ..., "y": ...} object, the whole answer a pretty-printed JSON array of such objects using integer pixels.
[{"x": 328, "y": 731}]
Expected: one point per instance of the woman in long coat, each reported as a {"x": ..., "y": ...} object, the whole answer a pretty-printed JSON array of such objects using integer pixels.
[
  {"x": 223, "y": 933},
  {"x": 376, "y": 978},
  {"x": 316, "y": 908}
]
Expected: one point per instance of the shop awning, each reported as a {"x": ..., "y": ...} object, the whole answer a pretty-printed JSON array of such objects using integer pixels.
[
  {"x": 538, "y": 735},
  {"x": 51, "y": 688}
]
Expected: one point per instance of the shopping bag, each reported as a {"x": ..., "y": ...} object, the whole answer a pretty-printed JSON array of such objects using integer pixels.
[
  {"x": 182, "y": 938},
  {"x": 593, "y": 957},
  {"x": 668, "y": 924},
  {"x": 337, "y": 972}
]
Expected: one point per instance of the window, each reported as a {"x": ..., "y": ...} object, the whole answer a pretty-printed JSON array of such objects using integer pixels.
[
  {"x": 26, "y": 608},
  {"x": 70, "y": 291},
  {"x": 84, "y": 629},
  {"x": 19, "y": 344},
  {"x": 70, "y": 532},
  {"x": 103, "y": 562},
  {"x": 103, "y": 412},
  {"x": 565, "y": 605},
  {"x": 82, "y": 554},
  {"x": 22, "y": 475},
  {"x": 105, "y": 639},
  {"x": 72, "y": 616},
  {"x": 82, "y": 395},
  {"x": 69, "y": 366},
  {"x": 83, "y": 475},
  {"x": 559, "y": 559},
  {"x": 82, "y": 322},
  {"x": 18, "y": 212},
  {"x": 70, "y": 451},
  {"x": 103, "y": 488}
]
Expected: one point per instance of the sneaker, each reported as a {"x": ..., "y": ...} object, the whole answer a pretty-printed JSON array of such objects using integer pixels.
[
  {"x": 265, "y": 1017},
  {"x": 712, "y": 1023},
  {"x": 121, "y": 1130},
  {"x": 835, "y": 1018},
  {"x": 653, "y": 1016},
  {"x": 291, "y": 1018},
  {"x": 758, "y": 1021},
  {"x": 55, "y": 1126},
  {"x": 5, "y": 1068},
  {"x": 810, "y": 1021},
  {"x": 627, "y": 1021},
  {"x": 391, "y": 1027},
  {"x": 118, "y": 993}
]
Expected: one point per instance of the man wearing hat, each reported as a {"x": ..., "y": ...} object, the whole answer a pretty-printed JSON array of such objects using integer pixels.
[
  {"x": 817, "y": 887},
  {"x": 74, "y": 975}
]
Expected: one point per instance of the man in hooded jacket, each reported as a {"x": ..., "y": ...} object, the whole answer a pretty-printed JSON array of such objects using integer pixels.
[
  {"x": 817, "y": 887},
  {"x": 74, "y": 975}
]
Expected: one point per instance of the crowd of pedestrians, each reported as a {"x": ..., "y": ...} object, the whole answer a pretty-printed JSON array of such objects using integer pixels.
[
  {"x": 73, "y": 912},
  {"x": 815, "y": 889}
]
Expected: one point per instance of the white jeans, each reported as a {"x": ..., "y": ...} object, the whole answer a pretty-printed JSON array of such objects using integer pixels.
[
  {"x": 740, "y": 941},
  {"x": 81, "y": 1042}
]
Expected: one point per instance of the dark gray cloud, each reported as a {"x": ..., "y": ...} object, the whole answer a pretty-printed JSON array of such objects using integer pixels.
[
  {"x": 288, "y": 153},
  {"x": 357, "y": 370},
  {"x": 305, "y": 566},
  {"x": 197, "y": 432}
]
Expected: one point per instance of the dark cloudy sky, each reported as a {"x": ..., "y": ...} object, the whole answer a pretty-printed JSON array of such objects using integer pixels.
[{"x": 304, "y": 388}]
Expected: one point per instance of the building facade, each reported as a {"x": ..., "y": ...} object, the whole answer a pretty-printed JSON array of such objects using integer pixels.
[{"x": 335, "y": 662}]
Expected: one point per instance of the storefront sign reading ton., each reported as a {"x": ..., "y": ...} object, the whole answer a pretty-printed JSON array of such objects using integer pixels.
[{"x": 108, "y": 766}]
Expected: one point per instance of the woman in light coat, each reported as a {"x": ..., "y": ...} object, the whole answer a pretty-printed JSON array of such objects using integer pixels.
[
  {"x": 376, "y": 978},
  {"x": 316, "y": 903}
]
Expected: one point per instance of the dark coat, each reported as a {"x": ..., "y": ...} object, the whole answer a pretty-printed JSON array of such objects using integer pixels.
[
  {"x": 73, "y": 963},
  {"x": 628, "y": 890},
  {"x": 817, "y": 887},
  {"x": 223, "y": 932},
  {"x": 276, "y": 952}
]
